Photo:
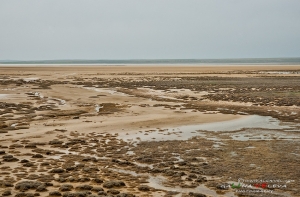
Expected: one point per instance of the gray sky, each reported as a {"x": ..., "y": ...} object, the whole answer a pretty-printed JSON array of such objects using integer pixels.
[{"x": 144, "y": 29}]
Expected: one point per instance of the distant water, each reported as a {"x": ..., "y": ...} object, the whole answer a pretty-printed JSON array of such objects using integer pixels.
[{"x": 246, "y": 61}]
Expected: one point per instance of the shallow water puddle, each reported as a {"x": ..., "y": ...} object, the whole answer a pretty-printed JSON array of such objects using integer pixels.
[
  {"x": 11, "y": 96},
  {"x": 98, "y": 107},
  {"x": 157, "y": 183},
  {"x": 60, "y": 101},
  {"x": 188, "y": 131},
  {"x": 279, "y": 72},
  {"x": 273, "y": 136},
  {"x": 3, "y": 96},
  {"x": 253, "y": 121},
  {"x": 30, "y": 79},
  {"x": 106, "y": 90}
]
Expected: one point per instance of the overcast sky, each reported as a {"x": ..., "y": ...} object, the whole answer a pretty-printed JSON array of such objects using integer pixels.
[{"x": 148, "y": 29}]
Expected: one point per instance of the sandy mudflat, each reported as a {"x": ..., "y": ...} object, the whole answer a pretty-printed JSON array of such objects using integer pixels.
[{"x": 149, "y": 130}]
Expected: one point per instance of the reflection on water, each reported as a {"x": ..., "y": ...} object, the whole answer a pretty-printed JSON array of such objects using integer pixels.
[
  {"x": 157, "y": 183},
  {"x": 105, "y": 90},
  {"x": 3, "y": 95},
  {"x": 30, "y": 79},
  {"x": 188, "y": 131}
]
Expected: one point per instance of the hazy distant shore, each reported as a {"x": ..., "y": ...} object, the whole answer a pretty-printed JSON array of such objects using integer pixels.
[
  {"x": 150, "y": 65},
  {"x": 141, "y": 62}
]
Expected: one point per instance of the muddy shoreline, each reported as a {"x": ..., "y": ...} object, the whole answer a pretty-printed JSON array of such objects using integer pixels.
[{"x": 149, "y": 131}]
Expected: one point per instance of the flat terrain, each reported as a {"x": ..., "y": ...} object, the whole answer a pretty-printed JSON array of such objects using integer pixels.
[{"x": 149, "y": 130}]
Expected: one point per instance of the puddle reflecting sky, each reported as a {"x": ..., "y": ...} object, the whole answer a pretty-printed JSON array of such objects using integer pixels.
[{"x": 188, "y": 131}]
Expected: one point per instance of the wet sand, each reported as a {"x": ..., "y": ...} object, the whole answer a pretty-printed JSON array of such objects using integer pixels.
[{"x": 149, "y": 130}]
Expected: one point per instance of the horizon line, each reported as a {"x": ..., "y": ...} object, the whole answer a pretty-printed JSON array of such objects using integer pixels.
[{"x": 143, "y": 59}]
